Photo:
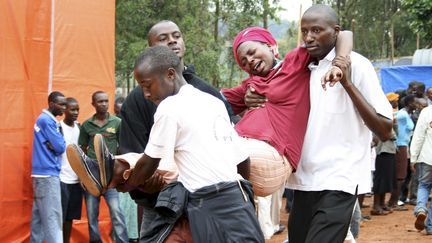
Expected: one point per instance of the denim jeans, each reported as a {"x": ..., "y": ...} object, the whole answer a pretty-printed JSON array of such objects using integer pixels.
[
  {"x": 117, "y": 219},
  {"x": 424, "y": 172},
  {"x": 46, "y": 221},
  {"x": 355, "y": 220}
]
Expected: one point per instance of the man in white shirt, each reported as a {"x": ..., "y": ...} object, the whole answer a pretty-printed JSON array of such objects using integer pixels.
[
  {"x": 71, "y": 191},
  {"x": 337, "y": 143},
  {"x": 193, "y": 129},
  {"x": 421, "y": 163}
]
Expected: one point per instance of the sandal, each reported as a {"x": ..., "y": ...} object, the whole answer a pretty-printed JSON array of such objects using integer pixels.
[
  {"x": 388, "y": 209},
  {"x": 379, "y": 212},
  {"x": 399, "y": 208}
]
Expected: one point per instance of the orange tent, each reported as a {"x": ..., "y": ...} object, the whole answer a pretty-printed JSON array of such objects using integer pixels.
[{"x": 47, "y": 45}]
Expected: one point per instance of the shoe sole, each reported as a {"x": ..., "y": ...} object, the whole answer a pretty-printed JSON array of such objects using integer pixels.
[
  {"x": 419, "y": 223},
  {"x": 98, "y": 145},
  {"x": 78, "y": 165}
]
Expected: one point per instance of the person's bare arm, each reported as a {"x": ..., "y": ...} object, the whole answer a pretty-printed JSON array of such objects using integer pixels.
[
  {"x": 344, "y": 46},
  {"x": 379, "y": 125},
  {"x": 144, "y": 169},
  {"x": 344, "y": 43}
]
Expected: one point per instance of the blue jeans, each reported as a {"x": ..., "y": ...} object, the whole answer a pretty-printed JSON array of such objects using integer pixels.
[
  {"x": 355, "y": 220},
  {"x": 424, "y": 172},
  {"x": 117, "y": 219},
  {"x": 46, "y": 221}
]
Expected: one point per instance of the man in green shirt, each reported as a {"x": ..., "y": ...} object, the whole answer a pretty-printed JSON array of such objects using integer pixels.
[{"x": 108, "y": 125}]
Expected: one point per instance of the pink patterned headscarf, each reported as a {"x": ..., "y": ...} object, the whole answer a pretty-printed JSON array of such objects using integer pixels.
[{"x": 254, "y": 34}]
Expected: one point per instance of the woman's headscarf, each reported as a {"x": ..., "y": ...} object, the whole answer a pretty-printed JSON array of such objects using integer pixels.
[{"x": 254, "y": 34}]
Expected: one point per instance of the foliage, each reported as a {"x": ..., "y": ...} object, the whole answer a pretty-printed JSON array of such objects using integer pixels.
[
  {"x": 208, "y": 26},
  {"x": 371, "y": 22},
  {"x": 420, "y": 18}
]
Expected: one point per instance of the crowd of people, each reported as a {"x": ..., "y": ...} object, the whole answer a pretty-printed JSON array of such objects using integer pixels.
[
  {"x": 211, "y": 166},
  {"x": 57, "y": 189},
  {"x": 402, "y": 163}
]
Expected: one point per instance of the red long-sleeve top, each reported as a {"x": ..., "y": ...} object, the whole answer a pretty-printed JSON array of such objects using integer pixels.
[{"x": 282, "y": 121}]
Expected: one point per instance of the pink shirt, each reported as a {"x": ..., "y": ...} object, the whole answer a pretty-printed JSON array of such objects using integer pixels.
[{"x": 283, "y": 120}]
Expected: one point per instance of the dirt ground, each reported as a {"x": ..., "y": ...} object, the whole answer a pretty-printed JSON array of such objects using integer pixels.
[{"x": 397, "y": 227}]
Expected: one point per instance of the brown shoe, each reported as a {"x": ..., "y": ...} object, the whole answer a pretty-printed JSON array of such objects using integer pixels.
[{"x": 420, "y": 220}]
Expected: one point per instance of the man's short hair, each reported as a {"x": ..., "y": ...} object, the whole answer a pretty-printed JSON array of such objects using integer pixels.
[
  {"x": 52, "y": 97},
  {"x": 96, "y": 93},
  {"x": 150, "y": 32},
  {"x": 421, "y": 86},
  {"x": 409, "y": 99},
  {"x": 159, "y": 58},
  {"x": 326, "y": 11},
  {"x": 71, "y": 100},
  {"x": 412, "y": 83}
]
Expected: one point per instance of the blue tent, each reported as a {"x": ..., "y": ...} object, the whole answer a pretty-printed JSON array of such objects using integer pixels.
[{"x": 394, "y": 78}]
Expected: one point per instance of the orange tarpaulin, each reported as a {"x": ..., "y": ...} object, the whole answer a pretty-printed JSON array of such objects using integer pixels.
[{"x": 47, "y": 45}]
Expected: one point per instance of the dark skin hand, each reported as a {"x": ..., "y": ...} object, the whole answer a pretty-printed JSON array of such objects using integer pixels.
[
  {"x": 154, "y": 184},
  {"x": 335, "y": 73},
  {"x": 413, "y": 167},
  {"x": 144, "y": 169},
  {"x": 140, "y": 176},
  {"x": 254, "y": 100}
]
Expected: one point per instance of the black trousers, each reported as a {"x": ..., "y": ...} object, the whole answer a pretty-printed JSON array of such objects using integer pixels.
[
  {"x": 224, "y": 213},
  {"x": 320, "y": 217}
]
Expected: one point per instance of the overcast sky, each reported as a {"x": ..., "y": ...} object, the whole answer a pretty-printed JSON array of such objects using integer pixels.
[{"x": 292, "y": 8}]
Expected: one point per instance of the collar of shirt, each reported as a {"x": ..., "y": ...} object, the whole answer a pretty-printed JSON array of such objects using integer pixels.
[
  {"x": 108, "y": 117},
  {"x": 329, "y": 58},
  {"x": 50, "y": 115}
]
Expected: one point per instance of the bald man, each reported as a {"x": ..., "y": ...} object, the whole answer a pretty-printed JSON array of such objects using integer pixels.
[{"x": 336, "y": 150}]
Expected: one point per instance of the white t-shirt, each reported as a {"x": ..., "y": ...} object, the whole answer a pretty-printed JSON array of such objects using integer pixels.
[
  {"x": 336, "y": 152},
  {"x": 71, "y": 134},
  {"x": 193, "y": 129},
  {"x": 421, "y": 143}
]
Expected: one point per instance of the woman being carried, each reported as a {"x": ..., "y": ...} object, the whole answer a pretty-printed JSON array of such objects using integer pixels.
[{"x": 274, "y": 132}]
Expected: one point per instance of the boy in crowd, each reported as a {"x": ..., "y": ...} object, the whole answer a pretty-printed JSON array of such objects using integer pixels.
[
  {"x": 71, "y": 191},
  {"x": 108, "y": 125}
]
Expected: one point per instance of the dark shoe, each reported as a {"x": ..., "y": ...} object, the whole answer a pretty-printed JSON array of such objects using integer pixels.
[
  {"x": 87, "y": 169},
  {"x": 420, "y": 220},
  {"x": 399, "y": 208},
  {"x": 280, "y": 230},
  {"x": 365, "y": 218},
  {"x": 388, "y": 209},
  {"x": 105, "y": 159},
  {"x": 412, "y": 202},
  {"x": 379, "y": 212}
]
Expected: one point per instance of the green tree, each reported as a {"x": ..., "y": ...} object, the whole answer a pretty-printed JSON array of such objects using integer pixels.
[
  {"x": 420, "y": 18},
  {"x": 372, "y": 22},
  {"x": 208, "y": 28}
]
